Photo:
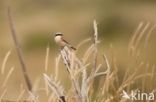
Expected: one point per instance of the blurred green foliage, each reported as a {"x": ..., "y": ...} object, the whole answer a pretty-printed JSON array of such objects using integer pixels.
[{"x": 37, "y": 41}]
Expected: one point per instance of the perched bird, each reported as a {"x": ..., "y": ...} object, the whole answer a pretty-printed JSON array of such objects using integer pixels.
[{"x": 61, "y": 42}]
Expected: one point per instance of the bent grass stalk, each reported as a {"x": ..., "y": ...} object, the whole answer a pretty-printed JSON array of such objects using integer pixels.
[{"x": 18, "y": 49}]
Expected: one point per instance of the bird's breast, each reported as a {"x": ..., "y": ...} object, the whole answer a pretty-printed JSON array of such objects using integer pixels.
[{"x": 58, "y": 40}]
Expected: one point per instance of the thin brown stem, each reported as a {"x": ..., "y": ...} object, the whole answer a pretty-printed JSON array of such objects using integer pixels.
[{"x": 18, "y": 49}]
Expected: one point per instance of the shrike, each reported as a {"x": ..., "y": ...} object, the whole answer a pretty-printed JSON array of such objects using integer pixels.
[{"x": 61, "y": 42}]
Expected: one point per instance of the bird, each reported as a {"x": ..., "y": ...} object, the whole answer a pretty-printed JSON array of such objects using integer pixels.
[{"x": 59, "y": 39}]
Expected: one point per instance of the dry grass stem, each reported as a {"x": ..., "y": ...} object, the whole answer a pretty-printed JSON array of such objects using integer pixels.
[
  {"x": 32, "y": 97},
  {"x": 141, "y": 34},
  {"x": 88, "y": 53},
  {"x": 3, "y": 94},
  {"x": 83, "y": 42},
  {"x": 47, "y": 58},
  {"x": 57, "y": 61},
  {"x": 20, "y": 95},
  {"x": 46, "y": 67},
  {"x": 7, "y": 77},
  {"x": 134, "y": 37},
  {"x": 19, "y": 51},
  {"x": 95, "y": 32},
  {"x": 56, "y": 88},
  {"x": 4, "y": 62},
  {"x": 148, "y": 35}
]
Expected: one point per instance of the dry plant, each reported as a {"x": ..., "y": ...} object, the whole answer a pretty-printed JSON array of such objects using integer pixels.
[
  {"x": 82, "y": 80},
  {"x": 83, "y": 71}
]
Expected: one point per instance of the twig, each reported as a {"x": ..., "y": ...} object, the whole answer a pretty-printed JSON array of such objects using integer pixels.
[{"x": 18, "y": 49}]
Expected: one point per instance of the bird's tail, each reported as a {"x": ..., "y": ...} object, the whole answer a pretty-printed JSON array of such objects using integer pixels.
[
  {"x": 70, "y": 46},
  {"x": 73, "y": 48}
]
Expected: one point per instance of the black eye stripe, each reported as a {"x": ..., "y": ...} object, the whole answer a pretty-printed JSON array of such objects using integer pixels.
[{"x": 58, "y": 35}]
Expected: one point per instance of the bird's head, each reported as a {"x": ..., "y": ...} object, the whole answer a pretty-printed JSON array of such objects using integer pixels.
[{"x": 58, "y": 34}]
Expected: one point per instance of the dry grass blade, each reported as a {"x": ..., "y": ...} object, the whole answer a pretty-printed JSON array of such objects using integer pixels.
[
  {"x": 98, "y": 68},
  {"x": 33, "y": 97},
  {"x": 20, "y": 95},
  {"x": 95, "y": 52},
  {"x": 95, "y": 47},
  {"x": 84, "y": 91},
  {"x": 81, "y": 69},
  {"x": 83, "y": 42},
  {"x": 95, "y": 32},
  {"x": 88, "y": 53},
  {"x": 3, "y": 94},
  {"x": 52, "y": 98},
  {"x": 141, "y": 34},
  {"x": 7, "y": 77},
  {"x": 65, "y": 53},
  {"x": 4, "y": 62},
  {"x": 55, "y": 88},
  {"x": 132, "y": 79},
  {"x": 19, "y": 52},
  {"x": 149, "y": 34},
  {"x": 153, "y": 71},
  {"x": 99, "y": 73},
  {"x": 46, "y": 67},
  {"x": 47, "y": 58},
  {"x": 107, "y": 63},
  {"x": 36, "y": 85},
  {"x": 57, "y": 60},
  {"x": 134, "y": 37},
  {"x": 131, "y": 46}
]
